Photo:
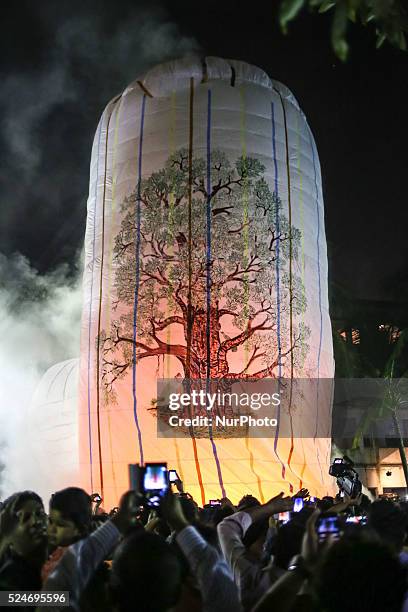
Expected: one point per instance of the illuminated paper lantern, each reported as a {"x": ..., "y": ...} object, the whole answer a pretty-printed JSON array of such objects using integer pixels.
[{"x": 205, "y": 256}]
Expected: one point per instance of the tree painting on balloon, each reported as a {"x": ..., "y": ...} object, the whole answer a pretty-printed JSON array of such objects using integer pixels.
[{"x": 215, "y": 299}]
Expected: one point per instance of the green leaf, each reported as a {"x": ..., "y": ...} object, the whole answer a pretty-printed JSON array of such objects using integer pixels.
[
  {"x": 289, "y": 9},
  {"x": 402, "y": 42},
  {"x": 338, "y": 33},
  {"x": 381, "y": 37},
  {"x": 341, "y": 49},
  {"x": 326, "y": 5}
]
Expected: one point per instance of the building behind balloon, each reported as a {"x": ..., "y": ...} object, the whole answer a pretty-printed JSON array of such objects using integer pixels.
[{"x": 205, "y": 258}]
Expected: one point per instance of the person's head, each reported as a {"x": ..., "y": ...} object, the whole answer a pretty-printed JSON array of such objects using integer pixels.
[
  {"x": 28, "y": 535},
  {"x": 220, "y": 513},
  {"x": 254, "y": 538},
  {"x": 247, "y": 501},
  {"x": 146, "y": 574},
  {"x": 325, "y": 503},
  {"x": 190, "y": 508},
  {"x": 287, "y": 543},
  {"x": 360, "y": 574},
  {"x": 389, "y": 522},
  {"x": 70, "y": 516},
  {"x": 209, "y": 533}
]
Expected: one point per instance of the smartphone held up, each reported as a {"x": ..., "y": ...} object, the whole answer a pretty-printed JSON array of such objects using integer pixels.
[{"x": 151, "y": 482}]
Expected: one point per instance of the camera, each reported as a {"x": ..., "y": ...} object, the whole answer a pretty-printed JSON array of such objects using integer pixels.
[
  {"x": 346, "y": 476},
  {"x": 150, "y": 481}
]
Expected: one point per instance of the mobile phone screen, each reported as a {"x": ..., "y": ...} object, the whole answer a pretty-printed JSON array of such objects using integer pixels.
[
  {"x": 173, "y": 476},
  {"x": 328, "y": 526},
  {"x": 357, "y": 520},
  {"x": 298, "y": 505},
  {"x": 284, "y": 517},
  {"x": 155, "y": 478}
]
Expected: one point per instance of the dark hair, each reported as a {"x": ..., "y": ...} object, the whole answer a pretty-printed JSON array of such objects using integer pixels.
[
  {"x": 247, "y": 501},
  {"x": 220, "y": 514},
  {"x": 146, "y": 574},
  {"x": 75, "y": 505},
  {"x": 389, "y": 521},
  {"x": 360, "y": 574},
  {"x": 189, "y": 508},
  {"x": 325, "y": 503},
  {"x": 21, "y": 498},
  {"x": 255, "y": 531},
  {"x": 208, "y": 532},
  {"x": 287, "y": 543}
]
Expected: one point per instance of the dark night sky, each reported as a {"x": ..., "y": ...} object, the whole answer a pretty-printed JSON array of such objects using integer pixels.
[{"x": 62, "y": 62}]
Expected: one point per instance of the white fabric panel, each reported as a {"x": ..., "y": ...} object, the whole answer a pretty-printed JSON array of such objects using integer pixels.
[
  {"x": 255, "y": 117},
  {"x": 51, "y": 458}
]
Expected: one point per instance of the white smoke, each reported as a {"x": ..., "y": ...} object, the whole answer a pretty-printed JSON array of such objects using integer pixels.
[
  {"x": 49, "y": 115},
  {"x": 39, "y": 326},
  {"x": 85, "y": 66}
]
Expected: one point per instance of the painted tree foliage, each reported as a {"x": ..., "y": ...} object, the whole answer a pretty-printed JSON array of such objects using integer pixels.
[{"x": 180, "y": 273}]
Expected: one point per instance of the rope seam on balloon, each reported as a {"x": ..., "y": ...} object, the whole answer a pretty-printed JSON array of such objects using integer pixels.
[
  {"x": 144, "y": 89},
  {"x": 302, "y": 229},
  {"x": 246, "y": 248},
  {"x": 137, "y": 278},
  {"x": 55, "y": 378},
  {"x": 90, "y": 307},
  {"x": 66, "y": 382},
  {"x": 109, "y": 268},
  {"x": 204, "y": 78},
  {"x": 320, "y": 299},
  {"x": 245, "y": 222},
  {"x": 292, "y": 446},
  {"x": 233, "y": 76},
  {"x": 189, "y": 306},
  {"x": 278, "y": 327},
  {"x": 98, "y": 341},
  {"x": 208, "y": 284},
  {"x": 170, "y": 222}
]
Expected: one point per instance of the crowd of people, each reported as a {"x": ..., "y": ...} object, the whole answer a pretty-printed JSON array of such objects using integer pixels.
[{"x": 316, "y": 555}]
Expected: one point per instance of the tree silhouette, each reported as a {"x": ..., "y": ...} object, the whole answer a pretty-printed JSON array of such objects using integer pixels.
[
  {"x": 389, "y": 18},
  {"x": 250, "y": 244}
]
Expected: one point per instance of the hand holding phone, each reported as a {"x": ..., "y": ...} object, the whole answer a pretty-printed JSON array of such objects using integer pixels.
[
  {"x": 173, "y": 476},
  {"x": 155, "y": 483},
  {"x": 150, "y": 482},
  {"x": 328, "y": 526},
  {"x": 174, "y": 479},
  {"x": 172, "y": 512}
]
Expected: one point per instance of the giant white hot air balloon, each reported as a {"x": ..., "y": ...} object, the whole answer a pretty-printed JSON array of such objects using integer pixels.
[{"x": 205, "y": 256}]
